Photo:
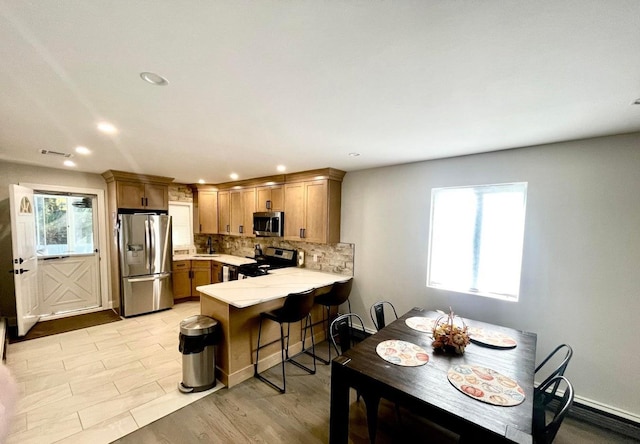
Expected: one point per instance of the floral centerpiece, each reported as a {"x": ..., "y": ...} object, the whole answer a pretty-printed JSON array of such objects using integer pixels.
[{"x": 447, "y": 336}]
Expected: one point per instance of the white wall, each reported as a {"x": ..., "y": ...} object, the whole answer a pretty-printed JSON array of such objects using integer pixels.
[
  {"x": 580, "y": 280},
  {"x": 12, "y": 173}
]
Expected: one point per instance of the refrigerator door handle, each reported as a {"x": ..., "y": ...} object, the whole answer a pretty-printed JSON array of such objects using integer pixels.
[
  {"x": 147, "y": 242},
  {"x": 149, "y": 278}
]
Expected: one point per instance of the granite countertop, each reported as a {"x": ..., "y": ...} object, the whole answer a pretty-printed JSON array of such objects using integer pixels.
[
  {"x": 222, "y": 258},
  {"x": 277, "y": 284}
]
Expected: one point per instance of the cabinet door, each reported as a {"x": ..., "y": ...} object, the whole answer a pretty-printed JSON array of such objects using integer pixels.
[
  {"x": 216, "y": 272},
  {"x": 156, "y": 197},
  {"x": 130, "y": 194},
  {"x": 270, "y": 198},
  {"x": 200, "y": 275},
  {"x": 236, "y": 218},
  {"x": 208, "y": 211},
  {"x": 181, "y": 277},
  {"x": 224, "y": 219},
  {"x": 293, "y": 210},
  {"x": 316, "y": 217},
  {"x": 248, "y": 208}
]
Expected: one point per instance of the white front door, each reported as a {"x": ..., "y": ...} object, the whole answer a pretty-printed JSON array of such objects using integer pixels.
[{"x": 25, "y": 261}]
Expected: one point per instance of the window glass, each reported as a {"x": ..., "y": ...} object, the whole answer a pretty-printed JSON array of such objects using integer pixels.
[
  {"x": 64, "y": 224},
  {"x": 476, "y": 239}
]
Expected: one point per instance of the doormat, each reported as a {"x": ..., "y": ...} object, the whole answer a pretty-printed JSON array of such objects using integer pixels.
[{"x": 47, "y": 328}]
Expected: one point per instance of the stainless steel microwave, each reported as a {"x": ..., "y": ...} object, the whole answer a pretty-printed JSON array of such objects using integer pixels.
[{"x": 268, "y": 224}]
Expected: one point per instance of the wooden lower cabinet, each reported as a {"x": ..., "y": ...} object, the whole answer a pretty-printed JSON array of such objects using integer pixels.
[
  {"x": 187, "y": 276},
  {"x": 216, "y": 272},
  {"x": 181, "y": 280},
  {"x": 200, "y": 275}
]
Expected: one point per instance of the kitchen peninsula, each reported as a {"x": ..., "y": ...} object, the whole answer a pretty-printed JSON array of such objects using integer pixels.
[{"x": 237, "y": 305}]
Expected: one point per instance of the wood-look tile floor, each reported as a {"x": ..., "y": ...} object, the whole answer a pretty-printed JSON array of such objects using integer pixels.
[{"x": 99, "y": 383}]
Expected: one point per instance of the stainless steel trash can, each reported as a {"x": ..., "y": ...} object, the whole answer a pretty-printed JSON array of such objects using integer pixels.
[{"x": 198, "y": 337}]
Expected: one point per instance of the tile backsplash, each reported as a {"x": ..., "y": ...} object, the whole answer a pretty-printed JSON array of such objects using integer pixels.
[{"x": 331, "y": 258}]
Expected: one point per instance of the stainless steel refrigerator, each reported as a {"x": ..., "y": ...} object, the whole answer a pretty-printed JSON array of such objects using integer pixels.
[{"x": 144, "y": 246}]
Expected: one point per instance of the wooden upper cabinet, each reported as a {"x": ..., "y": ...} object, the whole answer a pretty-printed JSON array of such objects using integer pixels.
[
  {"x": 236, "y": 216},
  {"x": 294, "y": 210},
  {"x": 137, "y": 191},
  {"x": 207, "y": 211},
  {"x": 312, "y": 211},
  {"x": 224, "y": 215},
  {"x": 248, "y": 208},
  {"x": 270, "y": 198}
]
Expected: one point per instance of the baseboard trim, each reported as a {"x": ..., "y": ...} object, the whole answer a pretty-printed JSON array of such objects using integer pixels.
[{"x": 603, "y": 419}]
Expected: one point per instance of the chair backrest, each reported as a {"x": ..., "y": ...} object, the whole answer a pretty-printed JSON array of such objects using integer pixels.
[
  {"x": 341, "y": 327},
  {"x": 545, "y": 369},
  {"x": 297, "y": 306},
  {"x": 377, "y": 313},
  {"x": 338, "y": 294},
  {"x": 545, "y": 431}
]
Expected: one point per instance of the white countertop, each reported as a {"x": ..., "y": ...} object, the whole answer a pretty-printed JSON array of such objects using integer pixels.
[
  {"x": 223, "y": 258},
  {"x": 277, "y": 284}
]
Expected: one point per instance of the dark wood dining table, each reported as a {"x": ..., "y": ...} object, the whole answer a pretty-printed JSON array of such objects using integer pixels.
[{"x": 425, "y": 390}]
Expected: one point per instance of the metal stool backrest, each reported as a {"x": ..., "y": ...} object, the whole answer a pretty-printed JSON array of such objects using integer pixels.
[
  {"x": 296, "y": 306},
  {"x": 377, "y": 313},
  {"x": 543, "y": 431},
  {"x": 338, "y": 294},
  {"x": 341, "y": 327},
  {"x": 558, "y": 371}
]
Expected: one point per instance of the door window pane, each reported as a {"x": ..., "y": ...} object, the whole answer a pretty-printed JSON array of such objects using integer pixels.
[{"x": 64, "y": 224}]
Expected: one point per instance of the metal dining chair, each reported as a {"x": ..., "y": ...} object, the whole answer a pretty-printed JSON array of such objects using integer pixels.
[
  {"x": 545, "y": 427},
  {"x": 545, "y": 368},
  {"x": 296, "y": 307},
  {"x": 377, "y": 313},
  {"x": 342, "y": 330}
]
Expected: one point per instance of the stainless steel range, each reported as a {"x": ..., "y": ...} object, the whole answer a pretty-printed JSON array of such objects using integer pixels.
[{"x": 271, "y": 259}]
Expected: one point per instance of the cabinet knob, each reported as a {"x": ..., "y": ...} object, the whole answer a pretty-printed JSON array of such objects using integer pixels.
[
  {"x": 241, "y": 229},
  {"x": 268, "y": 205}
]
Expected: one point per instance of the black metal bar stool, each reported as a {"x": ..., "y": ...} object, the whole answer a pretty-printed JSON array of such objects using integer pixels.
[
  {"x": 338, "y": 295},
  {"x": 297, "y": 306}
]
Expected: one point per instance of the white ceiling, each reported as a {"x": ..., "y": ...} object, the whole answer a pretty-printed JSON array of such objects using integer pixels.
[{"x": 258, "y": 83}]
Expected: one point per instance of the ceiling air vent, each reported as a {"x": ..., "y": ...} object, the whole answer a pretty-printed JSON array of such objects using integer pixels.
[{"x": 56, "y": 153}]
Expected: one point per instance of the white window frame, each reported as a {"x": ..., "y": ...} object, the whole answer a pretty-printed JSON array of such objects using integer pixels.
[
  {"x": 188, "y": 208},
  {"x": 472, "y": 266}
]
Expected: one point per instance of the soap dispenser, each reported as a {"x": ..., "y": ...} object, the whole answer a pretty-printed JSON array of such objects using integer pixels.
[{"x": 257, "y": 251}]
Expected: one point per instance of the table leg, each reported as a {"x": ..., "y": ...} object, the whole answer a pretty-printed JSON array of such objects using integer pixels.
[
  {"x": 372, "y": 402},
  {"x": 339, "y": 417}
]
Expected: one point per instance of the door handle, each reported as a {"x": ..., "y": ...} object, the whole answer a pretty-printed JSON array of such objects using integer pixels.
[
  {"x": 149, "y": 278},
  {"x": 18, "y": 261},
  {"x": 22, "y": 270}
]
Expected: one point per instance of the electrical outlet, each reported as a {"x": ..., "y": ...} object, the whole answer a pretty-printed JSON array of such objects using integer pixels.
[{"x": 315, "y": 258}]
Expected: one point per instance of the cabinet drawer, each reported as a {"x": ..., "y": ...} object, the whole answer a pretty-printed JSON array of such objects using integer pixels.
[{"x": 181, "y": 265}]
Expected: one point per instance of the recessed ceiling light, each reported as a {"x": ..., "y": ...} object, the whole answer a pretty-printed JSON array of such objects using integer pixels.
[
  {"x": 107, "y": 128},
  {"x": 82, "y": 150},
  {"x": 233, "y": 176},
  {"x": 354, "y": 154},
  {"x": 154, "y": 79},
  {"x": 69, "y": 163},
  {"x": 201, "y": 181},
  {"x": 281, "y": 168}
]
